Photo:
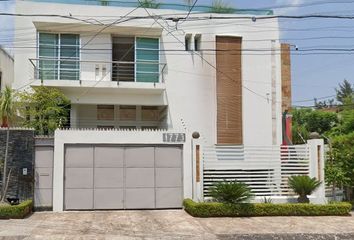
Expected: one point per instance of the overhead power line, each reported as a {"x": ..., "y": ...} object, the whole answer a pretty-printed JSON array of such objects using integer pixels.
[
  {"x": 194, "y": 18},
  {"x": 317, "y": 98}
]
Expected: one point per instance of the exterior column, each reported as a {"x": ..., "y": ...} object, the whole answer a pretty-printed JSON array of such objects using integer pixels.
[
  {"x": 74, "y": 118},
  {"x": 316, "y": 151},
  {"x": 197, "y": 167}
]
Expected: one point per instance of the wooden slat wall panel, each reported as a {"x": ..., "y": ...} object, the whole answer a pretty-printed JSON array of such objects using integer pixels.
[
  {"x": 285, "y": 77},
  {"x": 229, "y": 90}
]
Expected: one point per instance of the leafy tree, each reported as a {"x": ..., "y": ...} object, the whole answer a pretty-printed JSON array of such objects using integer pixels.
[
  {"x": 299, "y": 133},
  {"x": 306, "y": 121},
  {"x": 303, "y": 186},
  {"x": 47, "y": 109},
  {"x": 7, "y": 111},
  {"x": 343, "y": 158},
  {"x": 347, "y": 121},
  {"x": 149, "y": 4},
  {"x": 346, "y": 90},
  {"x": 324, "y": 104},
  {"x": 231, "y": 192},
  {"x": 220, "y": 6},
  {"x": 335, "y": 176},
  {"x": 321, "y": 122}
]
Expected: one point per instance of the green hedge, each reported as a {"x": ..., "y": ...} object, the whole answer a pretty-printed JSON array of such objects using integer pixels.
[
  {"x": 16, "y": 211},
  {"x": 212, "y": 209}
]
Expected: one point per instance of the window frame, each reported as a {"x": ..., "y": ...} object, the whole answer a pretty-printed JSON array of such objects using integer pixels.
[
  {"x": 188, "y": 42},
  {"x": 58, "y": 57},
  {"x": 158, "y": 60},
  {"x": 197, "y": 42}
]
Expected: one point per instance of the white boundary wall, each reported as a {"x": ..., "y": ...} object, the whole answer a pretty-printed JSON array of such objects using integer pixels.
[{"x": 264, "y": 169}]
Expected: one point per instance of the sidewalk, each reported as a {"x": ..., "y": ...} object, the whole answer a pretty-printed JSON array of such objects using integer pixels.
[{"x": 173, "y": 224}]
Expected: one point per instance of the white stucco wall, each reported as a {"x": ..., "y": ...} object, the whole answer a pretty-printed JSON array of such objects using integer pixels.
[
  {"x": 190, "y": 81},
  {"x": 6, "y": 69}
]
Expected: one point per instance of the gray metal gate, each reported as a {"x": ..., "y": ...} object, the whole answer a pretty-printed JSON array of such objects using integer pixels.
[
  {"x": 123, "y": 177},
  {"x": 43, "y": 187}
]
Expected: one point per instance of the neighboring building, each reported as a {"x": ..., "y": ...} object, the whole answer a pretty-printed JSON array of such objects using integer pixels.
[
  {"x": 225, "y": 79},
  {"x": 6, "y": 69}
]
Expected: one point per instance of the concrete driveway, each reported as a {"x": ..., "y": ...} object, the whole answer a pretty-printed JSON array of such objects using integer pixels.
[{"x": 172, "y": 224}]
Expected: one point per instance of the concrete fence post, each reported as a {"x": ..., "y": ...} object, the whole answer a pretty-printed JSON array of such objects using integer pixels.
[
  {"x": 316, "y": 157},
  {"x": 197, "y": 159}
]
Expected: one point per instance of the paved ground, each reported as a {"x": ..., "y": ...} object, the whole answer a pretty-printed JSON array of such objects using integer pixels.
[{"x": 172, "y": 224}]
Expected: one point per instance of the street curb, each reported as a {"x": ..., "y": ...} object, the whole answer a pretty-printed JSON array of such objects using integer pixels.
[{"x": 286, "y": 236}]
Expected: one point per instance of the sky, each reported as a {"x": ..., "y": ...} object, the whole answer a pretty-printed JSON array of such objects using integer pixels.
[{"x": 314, "y": 75}]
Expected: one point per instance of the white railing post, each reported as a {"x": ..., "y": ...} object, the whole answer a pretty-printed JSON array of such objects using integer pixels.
[{"x": 316, "y": 156}]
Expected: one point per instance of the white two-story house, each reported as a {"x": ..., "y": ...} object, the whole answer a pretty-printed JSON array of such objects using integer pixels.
[{"x": 141, "y": 81}]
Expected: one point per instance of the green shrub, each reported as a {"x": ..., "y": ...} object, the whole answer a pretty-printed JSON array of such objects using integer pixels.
[
  {"x": 303, "y": 186},
  {"x": 230, "y": 192},
  {"x": 212, "y": 209},
  {"x": 16, "y": 211},
  {"x": 149, "y": 4}
]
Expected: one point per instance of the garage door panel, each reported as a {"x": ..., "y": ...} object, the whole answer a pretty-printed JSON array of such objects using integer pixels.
[
  {"x": 139, "y": 157},
  {"x": 108, "y": 198},
  {"x": 168, "y": 177},
  {"x": 139, "y": 177},
  {"x": 139, "y": 198},
  {"x": 168, "y": 157},
  {"x": 79, "y": 156},
  {"x": 108, "y": 178},
  {"x": 77, "y": 199},
  {"x": 116, "y": 177},
  {"x": 79, "y": 178},
  {"x": 168, "y": 197},
  {"x": 109, "y": 156}
]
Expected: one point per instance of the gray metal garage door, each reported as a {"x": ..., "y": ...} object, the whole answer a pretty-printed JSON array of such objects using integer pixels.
[{"x": 116, "y": 177}]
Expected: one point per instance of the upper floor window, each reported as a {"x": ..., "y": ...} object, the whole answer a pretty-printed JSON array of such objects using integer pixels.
[
  {"x": 135, "y": 59},
  {"x": 187, "y": 42},
  {"x": 197, "y": 42},
  {"x": 59, "y": 56}
]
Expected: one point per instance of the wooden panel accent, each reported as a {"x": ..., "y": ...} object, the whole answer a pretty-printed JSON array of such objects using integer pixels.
[
  {"x": 127, "y": 113},
  {"x": 105, "y": 112},
  {"x": 197, "y": 164},
  {"x": 229, "y": 90},
  {"x": 285, "y": 77}
]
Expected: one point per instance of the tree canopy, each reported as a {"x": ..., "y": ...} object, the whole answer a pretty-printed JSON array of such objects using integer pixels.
[
  {"x": 345, "y": 91},
  {"x": 45, "y": 108}
]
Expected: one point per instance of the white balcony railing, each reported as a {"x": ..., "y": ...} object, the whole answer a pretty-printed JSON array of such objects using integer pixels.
[{"x": 92, "y": 70}]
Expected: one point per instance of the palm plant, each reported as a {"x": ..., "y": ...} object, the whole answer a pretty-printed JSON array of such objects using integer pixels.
[
  {"x": 220, "y": 6},
  {"x": 303, "y": 186},
  {"x": 231, "y": 192},
  {"x": 6, "y": 106},
  {"x": 7, "y": 110}
]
